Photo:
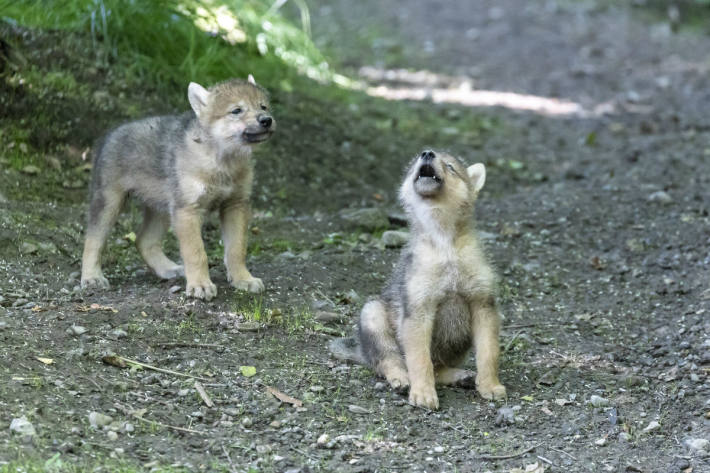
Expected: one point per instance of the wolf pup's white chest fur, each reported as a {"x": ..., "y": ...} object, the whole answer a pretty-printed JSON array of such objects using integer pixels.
[
  {"x": 180, "y": 167},
  {"x": 440, "y": 299}
]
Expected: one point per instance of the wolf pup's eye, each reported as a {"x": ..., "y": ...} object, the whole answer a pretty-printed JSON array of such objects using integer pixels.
[
  {"x": 236, "y": 111},
  {"x": 264, "y": 107},
  {"x": 448, "y": 165}
]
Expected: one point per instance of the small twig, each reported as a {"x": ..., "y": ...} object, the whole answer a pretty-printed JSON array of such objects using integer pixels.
[
  {"x": 511, "y": 455},
  {"x": 167, "y": 426},
  {"x": 150, "y": 367},
  {"x": 189, "y": 345},
  {"x": 135, "y": 415},
  {"x": 203, "y": 394},
  {"x": 512, "y": 340},
  {"x": 98, "y": 386},
  {"x": 549, "y": 324},
  {"x": 544, "y": 459},
  {"x": 229, "y": 459},
  {"x": 564, "y": 453}
]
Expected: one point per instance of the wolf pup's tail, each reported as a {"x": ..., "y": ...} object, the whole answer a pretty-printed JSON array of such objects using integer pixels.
[{"x": 347, "y": 349}]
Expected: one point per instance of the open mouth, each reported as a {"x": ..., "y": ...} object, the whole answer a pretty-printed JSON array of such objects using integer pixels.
[
  {"x": 427, "y": 171},
  {"x": 256, "y": 136},
  {"x": 427, "y": 183}
]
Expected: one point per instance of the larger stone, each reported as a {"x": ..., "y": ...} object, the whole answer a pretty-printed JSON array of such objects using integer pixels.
[{"x": 368, "y": 219}]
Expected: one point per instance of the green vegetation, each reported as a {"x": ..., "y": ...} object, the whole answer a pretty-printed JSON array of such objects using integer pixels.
[{"x": 171, "y": 43}]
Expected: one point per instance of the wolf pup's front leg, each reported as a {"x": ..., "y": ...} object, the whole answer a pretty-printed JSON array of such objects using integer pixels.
[
  {"x": 416, "y": 334},
  {"x": 235, "y": 223},
  {"x": 486, "y": 325},
  {"x": 187, "y": 223}
]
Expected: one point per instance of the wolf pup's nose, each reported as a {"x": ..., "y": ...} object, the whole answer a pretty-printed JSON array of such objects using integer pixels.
[
  {"x": 265, "y": 121},
  {"x": 428, "y": 155}
]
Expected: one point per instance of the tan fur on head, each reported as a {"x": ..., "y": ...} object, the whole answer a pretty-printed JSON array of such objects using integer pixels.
[{"x": 444, "y": 202}]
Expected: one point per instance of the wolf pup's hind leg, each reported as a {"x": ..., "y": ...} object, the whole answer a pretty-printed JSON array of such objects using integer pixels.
[
  {"x": 104, "y": 208},
  {"x": 379, "y": 345},
  {"x": 149, "y": 244}
]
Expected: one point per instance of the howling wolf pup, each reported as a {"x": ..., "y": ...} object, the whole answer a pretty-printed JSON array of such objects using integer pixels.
[
  {"x": 180, "y": 167},
  {"x": 440, "y": 299}
]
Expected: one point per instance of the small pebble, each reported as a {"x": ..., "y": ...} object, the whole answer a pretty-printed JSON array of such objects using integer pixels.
[
  {"x": 357, "y": 409},
  {"x": 653, "y": 425},
  {"x": 246, "y": 422},
  {"x": 111, "y": 435},
  {"x": 77, "y": 330},
  {"x": 22, "y": 426},
  {"x": 697, "y": 444},
  {"x": 97, "y": 419},
  {"x": 395, "y": 238},
  {"x": 598, "y": 401},
  {"x": 600, "y": 442},
  {"x": 661, "y": 197}
]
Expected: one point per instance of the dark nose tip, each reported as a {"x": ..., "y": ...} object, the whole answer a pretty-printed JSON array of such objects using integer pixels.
[
  {"x": 265, "y": 121},
  {"x": 428, "y": 155}
]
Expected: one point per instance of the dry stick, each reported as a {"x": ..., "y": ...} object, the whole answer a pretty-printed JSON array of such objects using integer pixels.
[
  {"x": 512, "y": 340},
  {"x": 173, "y": 427},
  {"x": 189, "y": 345},
  {"x": 133, "y": 414},
  {"x": 229, "y": 459},
  {"x": 564, "y": 453},
  {"x": 160, "y": 370},
  {"x": 505, "y": 457},
  {"x": 549, "y": 324},
  {"x": 203, "y": 394}
]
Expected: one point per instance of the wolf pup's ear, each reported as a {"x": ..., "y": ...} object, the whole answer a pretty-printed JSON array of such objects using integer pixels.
[
  {"x": 251, "y": 80},
  {"x": 197, "y": 95},
  {"x": 477, "y": 173}
]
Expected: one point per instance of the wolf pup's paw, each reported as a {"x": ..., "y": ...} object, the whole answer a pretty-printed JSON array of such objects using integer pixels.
[
  {"x": 97, "y": 282},
  {"x": 201, "y": 290},
  {"x": 399, "y": 381},
  {"x": 424, "y": 396},
  {"x": 492, "y": 391},
  {"x": 253, "y": 284}
]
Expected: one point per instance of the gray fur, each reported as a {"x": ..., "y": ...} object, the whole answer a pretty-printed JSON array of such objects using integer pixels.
[
  {"x": 440, "y": 296},
  {"x": 179, "y": 167}
]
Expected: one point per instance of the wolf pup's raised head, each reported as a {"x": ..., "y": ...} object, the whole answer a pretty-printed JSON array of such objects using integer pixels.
[
  {"x": 438, "y": 186},
  {"x": 234, "y": 113}
]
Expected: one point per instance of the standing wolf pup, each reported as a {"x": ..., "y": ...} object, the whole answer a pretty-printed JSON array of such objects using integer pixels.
[
  {"x": 440, "y": 299},
  {"x": 180, "y": 167}
]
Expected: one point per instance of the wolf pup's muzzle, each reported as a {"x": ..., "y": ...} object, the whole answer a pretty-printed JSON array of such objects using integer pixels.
[
  {"x": 427, "y": 180},
  {"x": 260, "y": 132}
]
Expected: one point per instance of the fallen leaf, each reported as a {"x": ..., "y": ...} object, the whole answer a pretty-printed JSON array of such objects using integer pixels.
[
  {"x": 284, "y": 397},
  {"x": 532, "y": 468},
  {"x": 84, "y": 308},
  {"x": 114, "y": 361},
  {"x": 597, "y": 263},
  {"x": 247, "y": 371},
  {"x": 527, "y": 398},
  {"x": 46, "y": 361}
]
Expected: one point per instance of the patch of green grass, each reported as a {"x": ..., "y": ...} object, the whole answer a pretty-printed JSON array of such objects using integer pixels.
[{"x": 173, "y": 42}]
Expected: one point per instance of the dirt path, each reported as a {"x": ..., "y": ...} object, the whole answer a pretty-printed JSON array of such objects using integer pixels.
[{"x": 595, "y": 212}]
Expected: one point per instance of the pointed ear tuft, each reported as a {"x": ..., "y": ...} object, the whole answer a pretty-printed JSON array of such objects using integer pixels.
[
  {"x": 197, "y": 95},
  {"x": 477, "y": 173},
  {"x": 251, "y": 80}
]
